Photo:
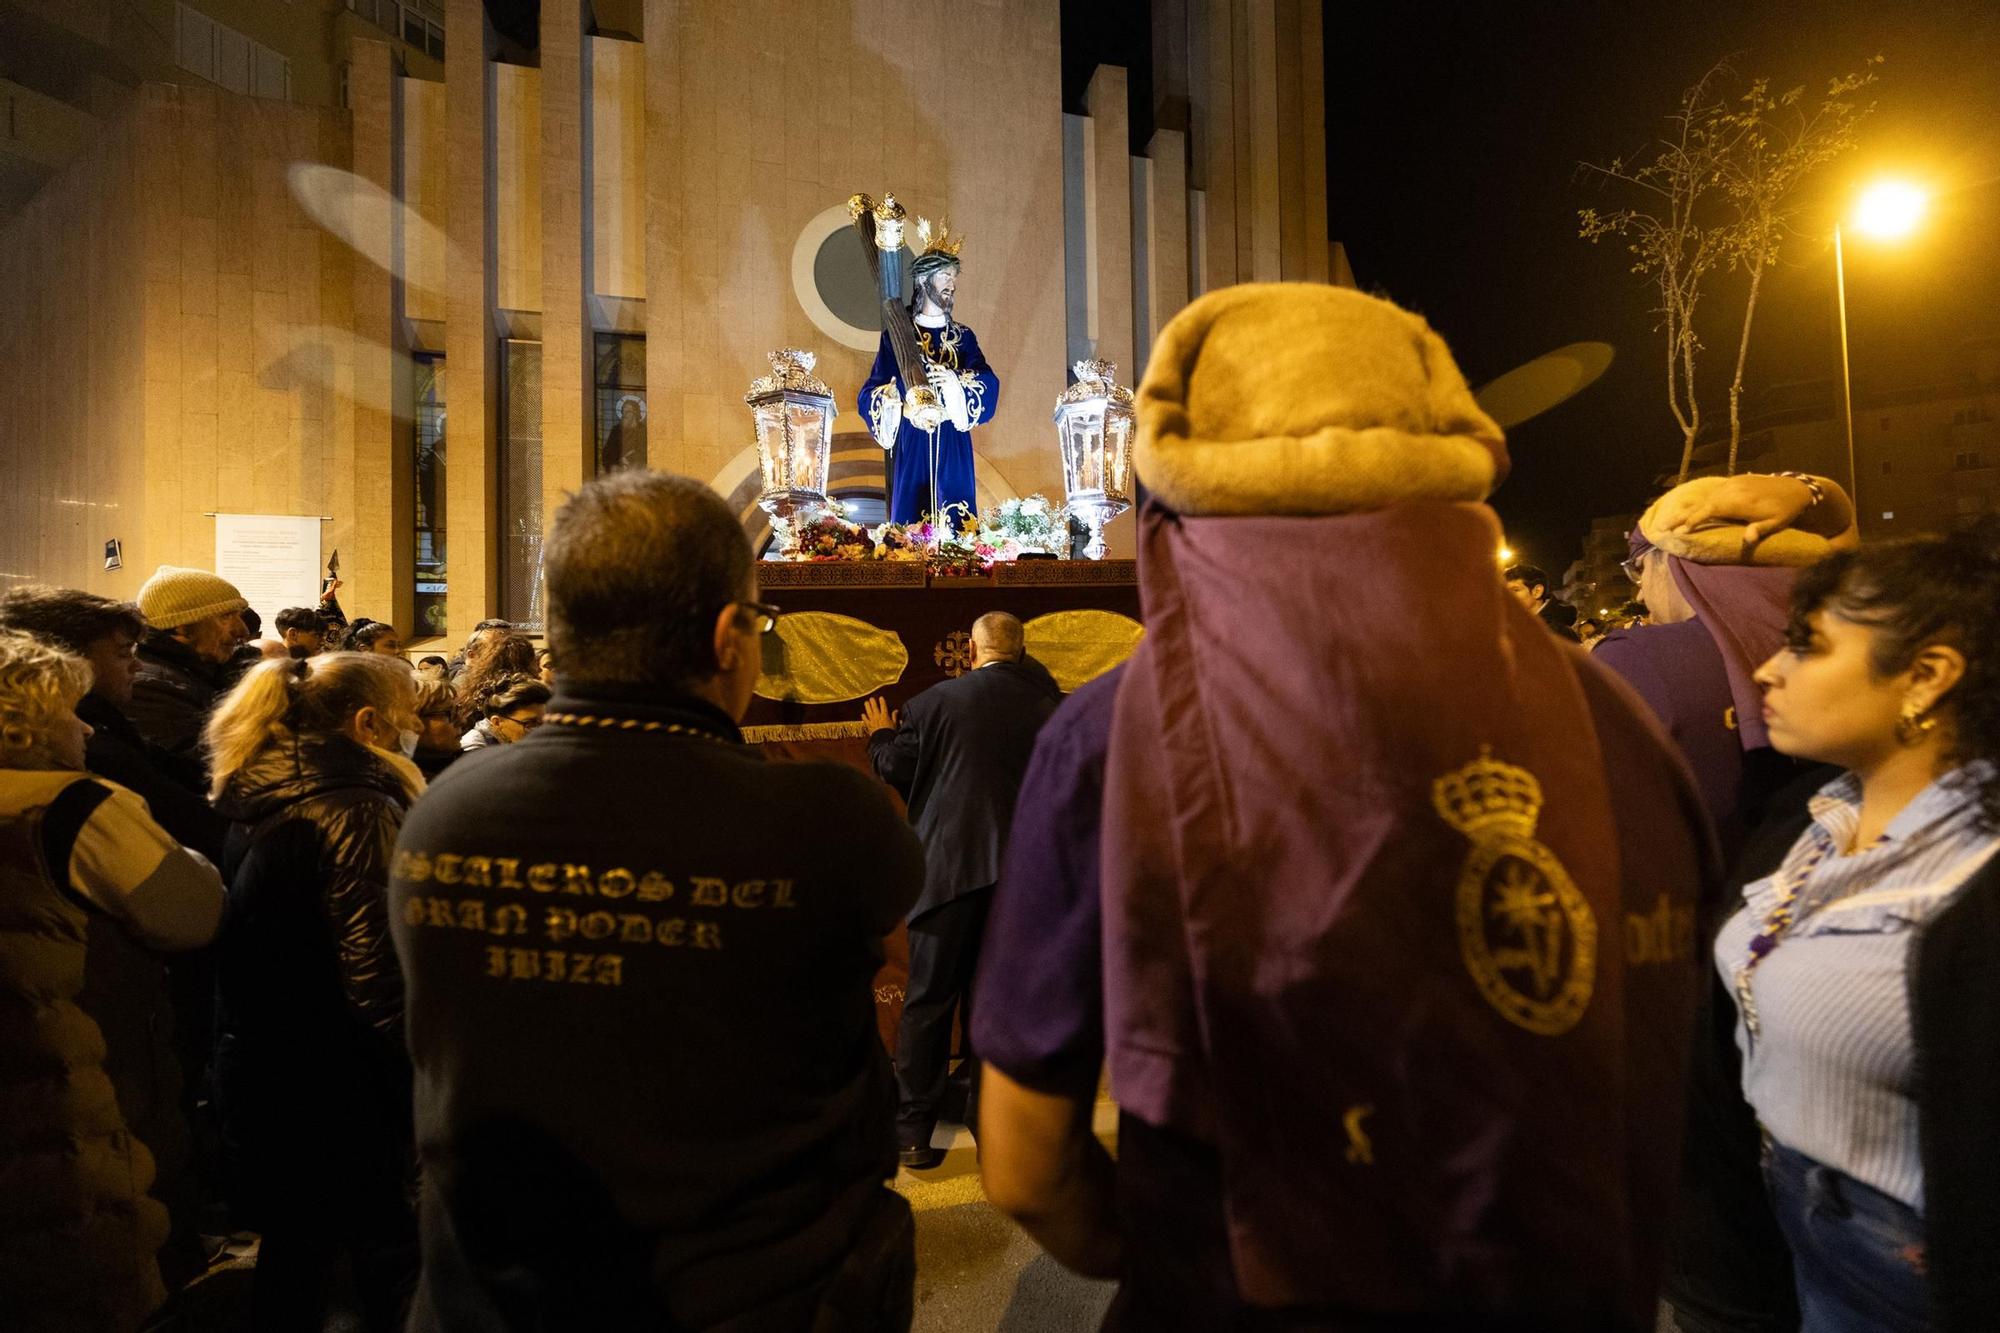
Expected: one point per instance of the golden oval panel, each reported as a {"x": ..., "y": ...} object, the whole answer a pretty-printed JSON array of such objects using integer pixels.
[
  {"x": 817, "y": 657},
  {"x": 1079, "y": 646}
]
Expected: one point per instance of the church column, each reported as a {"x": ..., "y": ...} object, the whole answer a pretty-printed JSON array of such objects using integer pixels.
[
  {"x": 568, "y": 434},
  {"x": 379, "y": 568},
  {"x": 1212, "y": 140},
  {"x": 1108, "y": 218},
  {"x": 472, "y": 340},
  {"x": 664, "y": 202},
  {"x": 1166, "y": 236},
  {"x": 1257, "y": 126},
  {"x": 1298, "y": 146},
  {"x": 1260, "y": 197}
]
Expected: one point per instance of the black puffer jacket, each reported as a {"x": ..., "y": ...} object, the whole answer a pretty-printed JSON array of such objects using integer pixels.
[
  {"x": 312, "y": 1080},
  {"x": 172, "y": 784},
  {"x": 173, "y": 692}
]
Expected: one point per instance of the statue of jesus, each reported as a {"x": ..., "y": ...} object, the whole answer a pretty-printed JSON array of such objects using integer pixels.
[{"x": 965, "y": 385}]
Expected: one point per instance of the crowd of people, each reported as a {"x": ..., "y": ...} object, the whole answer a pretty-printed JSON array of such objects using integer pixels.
[
  {"x": 199, "y": 829},
  {"x": 1446, "y": 976}
]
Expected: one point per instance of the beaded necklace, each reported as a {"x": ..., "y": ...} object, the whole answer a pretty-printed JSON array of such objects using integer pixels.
[
  {"x": 634, "y": 724},
  {"x": 1776, "y": 922}
]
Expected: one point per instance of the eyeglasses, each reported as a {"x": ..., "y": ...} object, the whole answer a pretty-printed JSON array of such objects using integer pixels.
[
  {"x": 524, "y": 723},
  {"x": 765, "y": 615},
  {"x": 1634, "y": 567}
]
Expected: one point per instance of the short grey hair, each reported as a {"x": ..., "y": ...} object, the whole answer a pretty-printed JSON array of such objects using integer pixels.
[
  {"x": 638, "y": 564},
  {"x": 1001, "y": 634}
]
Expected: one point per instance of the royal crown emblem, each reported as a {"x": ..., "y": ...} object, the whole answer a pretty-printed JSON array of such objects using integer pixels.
[{"x": 1525, "y": 932}]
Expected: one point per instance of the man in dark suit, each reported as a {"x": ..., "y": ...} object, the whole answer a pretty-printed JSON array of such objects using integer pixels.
[{"x": 957, "y": 756}]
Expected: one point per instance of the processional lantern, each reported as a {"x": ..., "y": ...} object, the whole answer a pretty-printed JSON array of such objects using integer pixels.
[
  {"x": 794, "y": 415},
  {"x": 1094, "y": 427}
]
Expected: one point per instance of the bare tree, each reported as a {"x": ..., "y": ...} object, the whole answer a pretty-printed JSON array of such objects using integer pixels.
[
  {"x": 1766, "y": 148},
  {"x": 1674, "y": 234}
]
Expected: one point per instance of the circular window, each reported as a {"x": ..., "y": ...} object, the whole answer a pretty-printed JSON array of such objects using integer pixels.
[{"x": 831, "y": 279}]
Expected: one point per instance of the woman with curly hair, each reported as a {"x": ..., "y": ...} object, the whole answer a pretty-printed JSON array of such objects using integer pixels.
[
  {"x": 488, "y": 662},
  {"x": 90, "y": 887},
  {"x": 1855, "y": 1052},
  {"x": 514, "y": 707}
]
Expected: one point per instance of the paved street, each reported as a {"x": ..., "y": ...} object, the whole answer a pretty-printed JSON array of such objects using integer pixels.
[{"x": 976, "y": 1271}]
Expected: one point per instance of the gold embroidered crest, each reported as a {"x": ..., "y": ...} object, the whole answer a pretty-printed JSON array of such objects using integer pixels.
[
  {"x": 1525, "y": 932},
  {"x": 954, "y": 653}
]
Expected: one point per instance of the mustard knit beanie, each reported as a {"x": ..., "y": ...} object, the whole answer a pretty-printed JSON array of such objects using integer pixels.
[
  {"x": 1300, "y": 398},
  {"x": 176, "y": 596}
]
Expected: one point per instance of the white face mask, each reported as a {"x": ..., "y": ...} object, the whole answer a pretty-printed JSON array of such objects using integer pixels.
[{"x": 408, "y": 741}]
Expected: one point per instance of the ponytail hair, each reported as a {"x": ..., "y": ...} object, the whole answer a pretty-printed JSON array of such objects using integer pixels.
[
  {"x": 363, "y": 634},
  {"x": 284, "y": 698}
]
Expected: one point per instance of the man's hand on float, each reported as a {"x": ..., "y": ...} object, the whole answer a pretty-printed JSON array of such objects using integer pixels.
[
  {"x": 875, "y": 713},
  {"x": 1764, "y": 505},
  {"x": 952, "y": 392}
]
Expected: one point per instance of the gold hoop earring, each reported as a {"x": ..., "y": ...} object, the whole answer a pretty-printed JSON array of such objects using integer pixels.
[{"x": 1914, "y": 724}]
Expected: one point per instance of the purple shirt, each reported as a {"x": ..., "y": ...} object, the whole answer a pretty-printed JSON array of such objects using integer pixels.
[
  {"x": 1044, "y": 1026},
  {"x": 1678, "y": 671}
]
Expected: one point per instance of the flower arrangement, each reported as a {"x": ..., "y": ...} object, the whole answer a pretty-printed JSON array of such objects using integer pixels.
[
  {"x": 829, "y": 536},
  {"x": 954, "y": 541},
  {"x": 1029, "y": 525}
]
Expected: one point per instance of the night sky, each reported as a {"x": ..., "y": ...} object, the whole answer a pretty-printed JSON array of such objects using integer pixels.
[{"x": 1454, "y": 137}]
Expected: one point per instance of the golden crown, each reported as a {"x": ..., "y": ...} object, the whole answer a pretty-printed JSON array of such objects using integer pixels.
[
  {"x": 939, "y": 242},
  {"x": 1487, "y": 796}
]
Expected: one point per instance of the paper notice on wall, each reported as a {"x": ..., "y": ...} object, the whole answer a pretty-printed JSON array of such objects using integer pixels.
[{"x": 273, "y": 559}]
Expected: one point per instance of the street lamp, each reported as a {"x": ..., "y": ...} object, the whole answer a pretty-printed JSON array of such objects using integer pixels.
[
  {"x": 1889, "y": 210},
  {"x": 1886, "y": 211}
]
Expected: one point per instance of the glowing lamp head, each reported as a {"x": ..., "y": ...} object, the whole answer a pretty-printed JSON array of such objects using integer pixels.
[
  {"x": 794, "y": 414},
  {"x": 1889, "y": 210},
  {"x": 1506, "y": 555}
]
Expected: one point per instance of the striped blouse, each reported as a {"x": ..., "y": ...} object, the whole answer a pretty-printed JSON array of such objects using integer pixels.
[{"x": 1830, "y": 1072}]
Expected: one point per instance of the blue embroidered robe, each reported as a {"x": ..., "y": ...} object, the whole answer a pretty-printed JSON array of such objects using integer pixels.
[{"x": 955, "y": 348}]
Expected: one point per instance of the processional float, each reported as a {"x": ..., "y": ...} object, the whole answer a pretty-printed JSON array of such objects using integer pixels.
[{"x": 795, "y": 411}]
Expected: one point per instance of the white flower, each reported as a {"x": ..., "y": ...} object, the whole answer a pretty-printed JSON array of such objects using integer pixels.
[{"x": 1035, "y": 504}]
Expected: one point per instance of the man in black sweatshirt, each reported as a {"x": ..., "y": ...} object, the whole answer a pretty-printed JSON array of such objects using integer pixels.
[{"x": 639, "y": 965}]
